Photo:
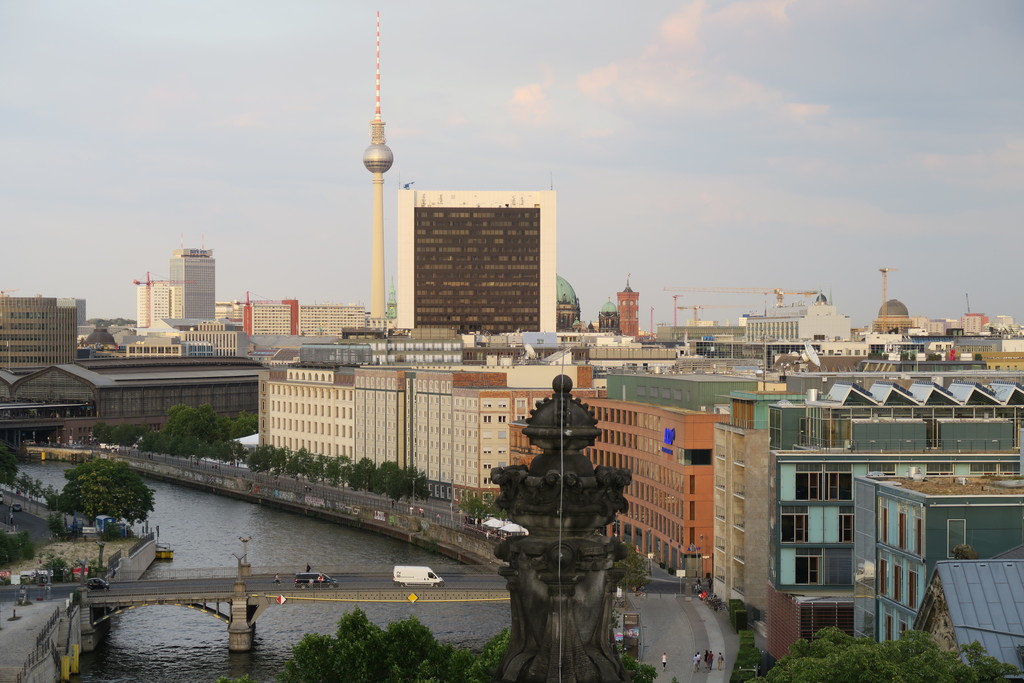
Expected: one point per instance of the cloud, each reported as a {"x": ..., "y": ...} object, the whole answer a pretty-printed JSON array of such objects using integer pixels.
[{"x": 531, "y": 103}]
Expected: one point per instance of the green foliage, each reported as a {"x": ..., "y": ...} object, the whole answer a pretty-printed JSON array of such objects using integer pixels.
[
  {"x": 748, "y": 657},
  {"x": 105, "y": 487},
  {"x": 361, "y": 475},
  {"x": 738, "y": 619},
  {"x": 635, "y": 566},
  {"x": 14, "y": 547},
  {"x": 8, "y": 466},
  {"x": 641, "y": 673},
  {"x": 58, "y": 527},
  {"x": 244, "y": 679},
  {"x": 914, "y": 658},
  {"x": 58, "y": 565},
  {"x": 476, "y": 506},
  {"x": 405, "y": 651}
]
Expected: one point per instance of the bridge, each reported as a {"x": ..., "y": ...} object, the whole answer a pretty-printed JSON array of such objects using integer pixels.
[{"x": 240, "y": 601}]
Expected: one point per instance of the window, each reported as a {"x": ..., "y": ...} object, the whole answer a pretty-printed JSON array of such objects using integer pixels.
[
  {"x": 808, "y": 485},
  {"x": 840, "y": 485},
  {"x": 902, "y": 531},
  {"x": 912, "y": 589},
  {"x": 839, "y": 566},
  {"x": 956, "y": 534},
  {"x": 846, "y": 525},
  {"x": 794, "y": 524},
  {"x": 487, "y": 418},
  {"x": 883, "y": 525},
  {"x": 883, "y": 577},
  {"x": 807, "y": 568},
  {"x": 897, "y": 583}
]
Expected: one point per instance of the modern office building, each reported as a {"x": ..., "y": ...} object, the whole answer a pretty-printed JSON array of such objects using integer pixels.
[
  {"x": 477, "y": 262},
  {"x": 743, "y": 507},
  {"x": 671, "y": 500},
  {"x": 37, "y": 331},
  {"x": 907, "y": 524},
  {"x": 819, "y": 448},
  {"x": 194, "y": 272},
  {"x": 818, "y": 321}
]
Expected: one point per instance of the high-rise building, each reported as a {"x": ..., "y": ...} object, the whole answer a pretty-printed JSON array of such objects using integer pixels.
[
  {"x": 36, "y": 331},
  {"x": 477, "y": 261},
  {"x": 194, "y": 271},
  {"x": 377, "y": 159}
]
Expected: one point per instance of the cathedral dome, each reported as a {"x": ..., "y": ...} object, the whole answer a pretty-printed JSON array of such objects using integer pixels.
[
  {"x": 100, "y": 336},
  {"x": 566, "y": 294},
  {"x": 894, "y": 308},
  {"x": 609, "y": 307}
]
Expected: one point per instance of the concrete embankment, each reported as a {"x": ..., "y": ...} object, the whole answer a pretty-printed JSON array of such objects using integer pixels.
[{"x": 341, "y": 506}]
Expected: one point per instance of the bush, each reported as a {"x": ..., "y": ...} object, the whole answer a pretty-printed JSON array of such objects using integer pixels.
[
  {"x": 738, "y": 619},
  {"x": 748, "y": 657}
]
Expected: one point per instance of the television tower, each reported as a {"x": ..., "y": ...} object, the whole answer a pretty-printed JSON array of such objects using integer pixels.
[{"x": 377, "y": 159}]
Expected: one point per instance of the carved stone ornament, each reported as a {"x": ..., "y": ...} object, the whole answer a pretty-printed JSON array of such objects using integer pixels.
[{"x": 561, "y": 577}]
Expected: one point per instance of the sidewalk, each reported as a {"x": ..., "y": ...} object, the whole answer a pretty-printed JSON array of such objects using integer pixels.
[{"x": 681, "y": 625}]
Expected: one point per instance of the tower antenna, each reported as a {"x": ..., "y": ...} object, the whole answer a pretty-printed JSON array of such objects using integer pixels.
[{"x": 377, "y": 159}]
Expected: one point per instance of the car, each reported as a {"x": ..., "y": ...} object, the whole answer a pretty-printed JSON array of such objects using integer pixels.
[
  {"x": 97, "y": 583},
  {"x": 16, "y": 507},
  {"x": 315, "y": 578}
]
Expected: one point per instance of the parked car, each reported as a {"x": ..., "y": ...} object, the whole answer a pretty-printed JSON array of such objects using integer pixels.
[
  {"x": 16, "y": 507},
  {"x": 97, "y": 583}
]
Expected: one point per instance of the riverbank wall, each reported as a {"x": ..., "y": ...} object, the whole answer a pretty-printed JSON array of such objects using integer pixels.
[{"x": 338, "y": 506}]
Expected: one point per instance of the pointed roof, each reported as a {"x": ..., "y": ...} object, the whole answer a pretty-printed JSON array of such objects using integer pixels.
[
  {"x": 930, "y": 394},
  {"x": 1008, "y": 393},
  {"x": 985, "y": 600},
  {"x": 972, "y": 393},
  {"x": 890, "y": 393},
  {"x": 849, "y": 393}
]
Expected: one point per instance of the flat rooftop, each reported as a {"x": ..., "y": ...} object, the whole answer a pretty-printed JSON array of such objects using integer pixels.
[{"x": 960, "y": 485}]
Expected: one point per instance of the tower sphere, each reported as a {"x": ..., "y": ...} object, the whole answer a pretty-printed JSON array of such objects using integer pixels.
[{"x": 378, "y": 158}]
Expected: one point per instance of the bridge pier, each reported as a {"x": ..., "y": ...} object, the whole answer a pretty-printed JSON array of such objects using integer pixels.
[{"x": 240, "y": 629}]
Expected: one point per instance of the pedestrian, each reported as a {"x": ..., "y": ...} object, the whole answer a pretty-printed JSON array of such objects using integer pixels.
[
  {"x": 277, "y": 579},
  {"x": 709, "y": 658},
  {"x": 696, "y": 662},
  {"x": 664, "y": 661},
  {"x": 307, "y": 566},
  {"x": 721, "y": 661}
]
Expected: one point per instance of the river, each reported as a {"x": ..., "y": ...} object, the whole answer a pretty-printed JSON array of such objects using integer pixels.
[{"x": 158, "y": 644}]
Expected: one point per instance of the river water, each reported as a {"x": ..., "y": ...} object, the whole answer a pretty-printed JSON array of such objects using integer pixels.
[{"x": 167, "y": 643}]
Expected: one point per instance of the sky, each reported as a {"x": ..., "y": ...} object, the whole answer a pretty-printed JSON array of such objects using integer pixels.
[{"x": 792, "y": 144}]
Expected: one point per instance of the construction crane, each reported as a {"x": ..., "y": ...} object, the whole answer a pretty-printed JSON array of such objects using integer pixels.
[
  {"x": 4, "y": 292},
  {"x": 696, "y": 308},
  {"x": 148, "y": 284},
  {"x": 884, "y": 326},
  {"x": 779, "y": 293}
]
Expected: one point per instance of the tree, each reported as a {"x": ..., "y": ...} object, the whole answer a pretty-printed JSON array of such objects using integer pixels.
[
  {"x": 8, "y": 466},
  {"x": 200, "y": 423},
  {"x": 361, "y": 475},
  {"x": 105, "y": 487},
  {"x": 405, "y": 651},
  {"x": 914, "y": 658},
  {"x": 476, "y": 506},
  {"x": 635, "y": 566}
]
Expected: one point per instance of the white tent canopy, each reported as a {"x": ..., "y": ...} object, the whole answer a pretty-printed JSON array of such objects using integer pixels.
[
  {"x": 493, "y": 523},
  {"x": 251, "y": 441},
  {"x": 513, "y": 528}
]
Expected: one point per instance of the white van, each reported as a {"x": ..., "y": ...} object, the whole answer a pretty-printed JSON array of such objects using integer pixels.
[{"x": 416, "y": 576}]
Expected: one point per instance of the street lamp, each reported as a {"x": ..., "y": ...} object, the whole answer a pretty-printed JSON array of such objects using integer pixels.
[{"x": 101, "y": 544}]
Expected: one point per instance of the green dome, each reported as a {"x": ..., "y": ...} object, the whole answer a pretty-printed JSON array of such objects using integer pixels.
[
  {"x": 566, "y": 294},
  {"x": 609, "y": 307}
]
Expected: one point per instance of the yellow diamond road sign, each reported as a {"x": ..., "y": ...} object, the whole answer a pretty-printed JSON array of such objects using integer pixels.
[{"x": 413, "y": 597}]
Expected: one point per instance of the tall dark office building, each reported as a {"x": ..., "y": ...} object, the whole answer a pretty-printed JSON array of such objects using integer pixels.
[{"x": 477, "y": 261}]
